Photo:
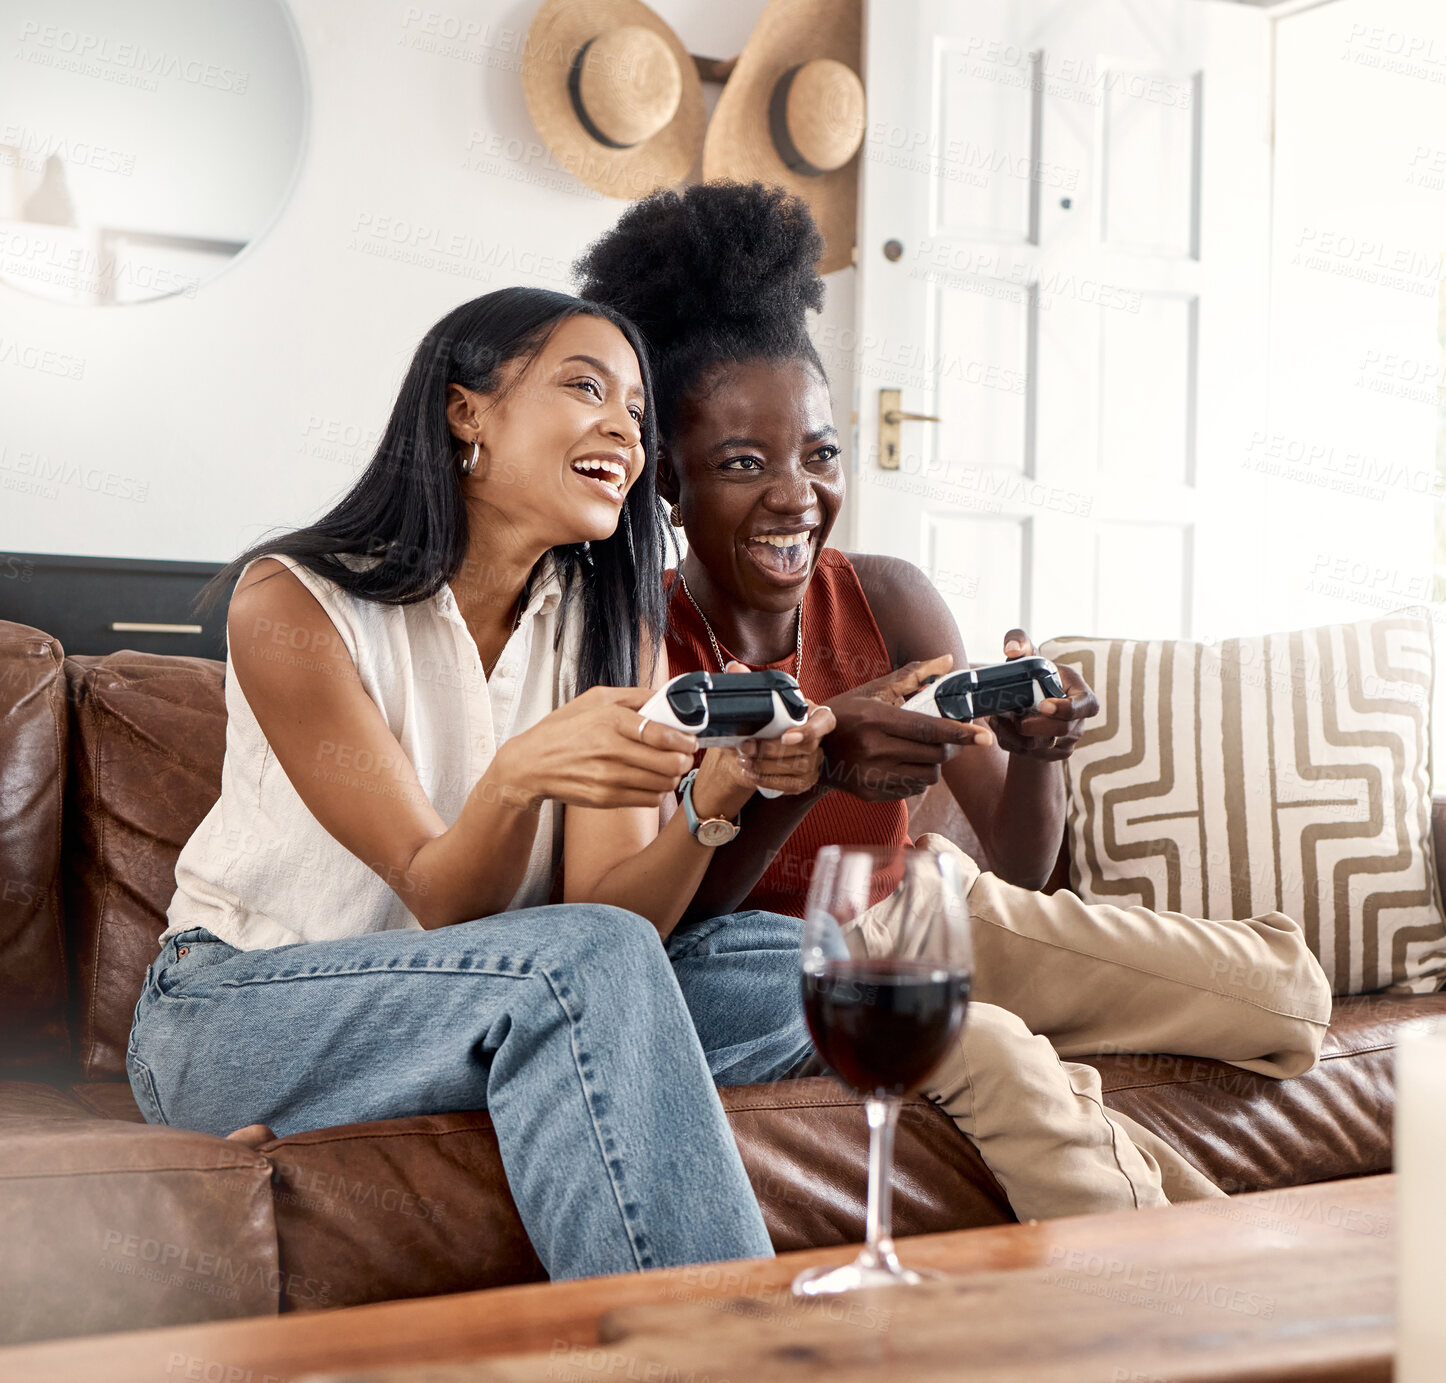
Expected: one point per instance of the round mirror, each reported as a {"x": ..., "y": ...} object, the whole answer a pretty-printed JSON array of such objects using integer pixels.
[{"x": 143, "y": 146}]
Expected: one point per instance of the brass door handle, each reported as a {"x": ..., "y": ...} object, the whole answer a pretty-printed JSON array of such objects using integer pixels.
[
  {"x": 890, "y": 416},
  {"x": 894, "y": 417}
]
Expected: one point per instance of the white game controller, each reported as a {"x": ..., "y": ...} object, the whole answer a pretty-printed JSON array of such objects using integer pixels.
[
  {"x": 923, "y": 701},
  {"x": 1011, "y": 688},
  {"x": 726, "y": 708}
]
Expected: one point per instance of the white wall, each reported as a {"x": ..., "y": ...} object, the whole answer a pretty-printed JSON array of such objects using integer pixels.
[
  {"x": 185, "y": 428},
  {"x": 1358, "y": 258}
]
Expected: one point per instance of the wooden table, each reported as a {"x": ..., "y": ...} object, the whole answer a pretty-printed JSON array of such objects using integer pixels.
[{"x": 1283, "y": 1285}]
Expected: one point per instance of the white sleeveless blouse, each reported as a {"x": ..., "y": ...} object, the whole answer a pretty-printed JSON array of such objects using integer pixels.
[{"x": 261, "y": 871}]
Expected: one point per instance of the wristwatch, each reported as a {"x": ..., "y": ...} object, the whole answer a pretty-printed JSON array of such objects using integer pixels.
[{"x": 713, "y": 830}]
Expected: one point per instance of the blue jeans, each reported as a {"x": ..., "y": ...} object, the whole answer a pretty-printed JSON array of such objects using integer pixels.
[
  {"x": 565, "y": 1023},
  {"x": 740, "y": 979}
]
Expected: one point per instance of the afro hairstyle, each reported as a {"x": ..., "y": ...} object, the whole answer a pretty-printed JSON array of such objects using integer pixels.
[{"x": 716, "y": 273}]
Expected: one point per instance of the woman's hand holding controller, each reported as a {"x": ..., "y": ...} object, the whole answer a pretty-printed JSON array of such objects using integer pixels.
[
  {"x": 784, "y": 766},
  {"x": 1053, "y": 728},
  {"x": 880, "y": 752},
  {"x": 590, "y": 753},
  {"x": 792, "y": 763}
]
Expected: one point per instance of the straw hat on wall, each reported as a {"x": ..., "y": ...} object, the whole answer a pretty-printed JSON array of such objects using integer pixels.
[
  {"x": 792, "y": 114},
  {"x": 614, "y": 94}
]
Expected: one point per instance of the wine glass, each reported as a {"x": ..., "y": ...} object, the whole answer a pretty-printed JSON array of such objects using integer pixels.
[{"x": 884, "y": 991}]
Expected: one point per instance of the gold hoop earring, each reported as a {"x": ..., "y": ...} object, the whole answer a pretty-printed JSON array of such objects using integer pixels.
[
  {"x": 470, "y": 464},
  {"x": 675, "y": 516}
]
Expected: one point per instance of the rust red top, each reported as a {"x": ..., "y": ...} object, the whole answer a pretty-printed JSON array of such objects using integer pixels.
[{"x": 842, "y": 647}]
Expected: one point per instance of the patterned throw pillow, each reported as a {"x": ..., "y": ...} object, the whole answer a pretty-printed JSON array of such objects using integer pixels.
[{"x": 1287, "y": 773}]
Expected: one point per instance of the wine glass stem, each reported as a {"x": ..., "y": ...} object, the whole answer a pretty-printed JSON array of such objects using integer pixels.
[{"x": 883, "y": 1116}]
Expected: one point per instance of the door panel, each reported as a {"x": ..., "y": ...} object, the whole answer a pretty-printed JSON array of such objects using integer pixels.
[
  {"x": 1148, "y": 434},
  {"x": 1154, "y": 608},
  {"x": 984, "y": 344},
  {"x": 1149, "y": 161},
  {"x": 978, "y": 565},
  {"x": 987, "y": 192}
]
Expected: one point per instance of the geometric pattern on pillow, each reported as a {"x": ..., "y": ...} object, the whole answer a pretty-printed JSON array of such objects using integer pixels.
[{"x": 1289, "y": 773}]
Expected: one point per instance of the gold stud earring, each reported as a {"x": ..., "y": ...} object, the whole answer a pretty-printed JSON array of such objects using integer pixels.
[{"x": 675, "y": 516}]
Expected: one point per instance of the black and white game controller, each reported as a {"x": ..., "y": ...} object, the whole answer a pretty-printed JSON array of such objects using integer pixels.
[
  {"x": 999, "y": 689},
  {"x": 726, "y": 708}
]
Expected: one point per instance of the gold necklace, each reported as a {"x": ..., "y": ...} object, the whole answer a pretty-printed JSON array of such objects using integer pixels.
[
  {"x": 713, "y": 638},
  {"x": 516, "y": 620}
]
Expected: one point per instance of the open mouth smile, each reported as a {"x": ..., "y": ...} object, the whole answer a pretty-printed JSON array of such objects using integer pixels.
[
  {"x": 782, "y": 555},
  {"x": 611, "y": 477}
]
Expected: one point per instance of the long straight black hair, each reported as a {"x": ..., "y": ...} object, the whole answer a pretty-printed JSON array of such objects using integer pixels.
[{"x": 407, "y": 507}]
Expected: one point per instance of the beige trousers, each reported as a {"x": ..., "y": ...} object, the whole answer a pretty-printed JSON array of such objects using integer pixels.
[{"x": 1056, "y": 977}]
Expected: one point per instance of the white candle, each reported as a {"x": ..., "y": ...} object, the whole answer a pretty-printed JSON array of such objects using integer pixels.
[{"x": 1421, "y": 1202}]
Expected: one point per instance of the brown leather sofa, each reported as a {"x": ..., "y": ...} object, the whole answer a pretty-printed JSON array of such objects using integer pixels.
[{"x": 106, "y": 1223}]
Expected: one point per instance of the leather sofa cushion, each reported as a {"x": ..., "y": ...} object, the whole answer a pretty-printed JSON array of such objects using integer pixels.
[
  {"x": 420, "y": 1206},
  {"x": 415, "y": 1207},
  {"x": 148, "y": 737},
  {"x": 33, "y": 754},
  {"x": 805, "y": 1144},
  {"x": 1246, "y": 1132},
  {"x": 397, "y": 1208},
  {"x": 108, "y": 1227},
  {"x": 107, "y": 1099},
  {"x": 1251, "y": 1133}
]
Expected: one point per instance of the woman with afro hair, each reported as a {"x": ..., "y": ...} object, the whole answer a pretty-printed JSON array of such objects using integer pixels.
[{"x": 719, "y": 279}]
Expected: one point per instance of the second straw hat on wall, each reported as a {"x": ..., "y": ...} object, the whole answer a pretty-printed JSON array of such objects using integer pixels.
[
  {"x": 613, "y": 92},
  {"x": 792, "y": 114}
]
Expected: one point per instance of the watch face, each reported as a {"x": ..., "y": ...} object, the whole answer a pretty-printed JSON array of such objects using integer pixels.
[{"x": 716, "y": 832}]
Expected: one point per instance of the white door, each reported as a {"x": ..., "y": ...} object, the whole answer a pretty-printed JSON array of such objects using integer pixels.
[{"x": 1062, "y": 255}]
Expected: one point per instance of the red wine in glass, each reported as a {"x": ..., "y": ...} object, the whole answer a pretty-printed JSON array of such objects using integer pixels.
[
  {"x": 885, "y": 989},
  {"x": 884, "y": 1025}
]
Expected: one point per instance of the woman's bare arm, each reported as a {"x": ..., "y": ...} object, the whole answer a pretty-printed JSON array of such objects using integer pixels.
[
  {"x": 622, "y": 858},
  {"x": 1014, "y": 802},
  {"x": 333, "y": 744}
]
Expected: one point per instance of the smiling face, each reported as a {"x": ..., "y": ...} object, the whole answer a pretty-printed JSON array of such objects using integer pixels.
[
  {"x": 754, "y": 466},
  {"x": 561, "y": 441}
]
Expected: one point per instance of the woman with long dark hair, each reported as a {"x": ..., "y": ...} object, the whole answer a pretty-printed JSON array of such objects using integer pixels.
[
  {"x": 720, "y": 279},
  {"x": 434, "y": 878}
]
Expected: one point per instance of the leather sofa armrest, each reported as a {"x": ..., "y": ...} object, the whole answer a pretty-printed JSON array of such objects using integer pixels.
[
  {"x": 113, "y": 1226},
  {"x": 34, "y": 730}
]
